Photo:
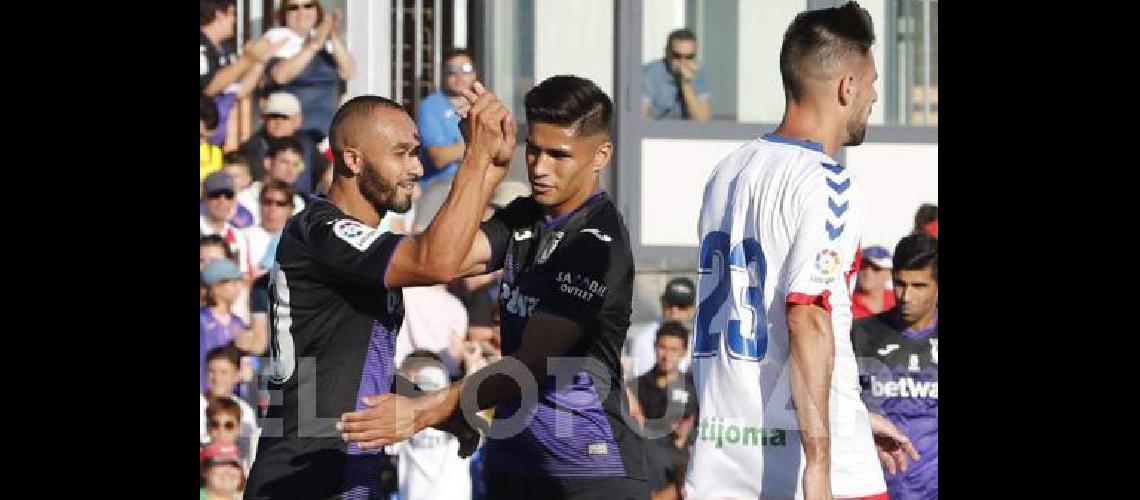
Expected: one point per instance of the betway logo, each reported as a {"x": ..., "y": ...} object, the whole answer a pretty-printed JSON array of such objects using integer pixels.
[{"x": 903, "y": 387}]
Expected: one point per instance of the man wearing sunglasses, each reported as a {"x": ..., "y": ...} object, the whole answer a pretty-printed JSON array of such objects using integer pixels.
[
  {"x": 674, "y": 88},
  {"x": 219, "y": 196},
  {"x": 438, "y": 120}
]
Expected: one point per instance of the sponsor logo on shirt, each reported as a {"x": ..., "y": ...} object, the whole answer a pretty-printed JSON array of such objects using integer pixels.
[
  {"x": 904, "y": 387},
  {"x": 355, "y": 233},
  {"x": 717, "y": 431},
  {"x": 598, "y": 449},
  {"x": 581, "y": 287},
  {"x": 523, "y": 234},
  {"x": 826, "y": 264}
]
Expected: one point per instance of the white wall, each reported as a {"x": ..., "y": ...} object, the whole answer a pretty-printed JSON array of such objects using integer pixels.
[
  {"x": 368, "y": 34},
  {"x": 760, "y": 92},
  {"x": 659, "y": 18},
  {"x": 573, "y": 38},
  {"x": 897, "y": 179},
  {"x": 673, "y": 175}
]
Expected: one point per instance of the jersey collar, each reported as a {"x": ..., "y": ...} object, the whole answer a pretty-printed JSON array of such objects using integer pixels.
[{"x": 814, "y": 146}]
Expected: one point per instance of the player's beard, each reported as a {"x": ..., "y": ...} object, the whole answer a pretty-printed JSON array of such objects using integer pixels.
[
  {"x": 384, "y": 196},
  {"x": 857, "y": 129}
]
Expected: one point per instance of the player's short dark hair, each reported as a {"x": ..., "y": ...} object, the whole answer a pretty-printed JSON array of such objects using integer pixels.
[
  {"x": 673, "y": 329},
  {"x": 926, "y": 214},
  {"x": 916, "y": 252},
  {"x": 570, "y": 101},
  {"x": 457, "y": 51},
  {"x": 219, "y": 406},
  {"x": 227, "y": 352},
  {"x": 208, "y": 10},
  {"x": 679, "y": 34},
  {"x": 208, "y": 111},
  {"x": 277, "y": 185},
  {"x": 288, "y": 143},
  {"x": 818, "y": 41},
  {"x": 357, "y": 107}
]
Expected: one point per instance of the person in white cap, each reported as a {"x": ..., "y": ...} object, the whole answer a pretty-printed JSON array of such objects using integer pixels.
[{"x": 281, "y": 116}]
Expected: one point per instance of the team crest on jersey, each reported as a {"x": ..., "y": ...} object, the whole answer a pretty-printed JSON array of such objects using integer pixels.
[
  {"x": 934, "y": 351},
  {"x": 827, "y": 264},
  {"x": 547, "y": 250},
  {"x": 355, "y": 233}
]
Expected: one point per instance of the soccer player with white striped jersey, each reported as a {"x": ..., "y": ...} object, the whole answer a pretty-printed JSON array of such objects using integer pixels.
[{"x": 780, "y": 224}]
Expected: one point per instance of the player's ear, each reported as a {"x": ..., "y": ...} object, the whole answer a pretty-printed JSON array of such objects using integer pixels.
[
  {"x": 602, "y": 155},
  {"x": 353, "y": 160},
  {"x": 846, "y": 89}
]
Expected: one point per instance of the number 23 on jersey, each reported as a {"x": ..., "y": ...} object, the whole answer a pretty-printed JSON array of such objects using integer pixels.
[{"x": 734, "y": 309}]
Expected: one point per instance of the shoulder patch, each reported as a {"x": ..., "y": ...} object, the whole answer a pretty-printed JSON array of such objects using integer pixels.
[{"x": 355, "y": 233}]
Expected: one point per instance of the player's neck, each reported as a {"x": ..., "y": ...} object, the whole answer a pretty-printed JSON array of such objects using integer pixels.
[
  {"x": 927, "y": 321},
  {"x": 808, "y": 123},
  {"x": 349, "y": 200},
  {"x": 570, "y": 205}
]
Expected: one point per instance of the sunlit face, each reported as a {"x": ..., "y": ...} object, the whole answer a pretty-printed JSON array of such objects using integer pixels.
[
  {"x": 873, "y": 278},
  {"x": 276, "y": 207},
  {"x": 220, "y": 204},
  {"x": 388, "y": 159},
  {"x": 677, "y": 312},
  {"x": 222, "y": 377},
  {"x": 300, "y": 15},
  {"x": 460, "y": 73},
  {"x": 224, "y": 477},
  {"x": 916, "y": 293},
  {"x": 285, "y": 166},
  {"x": 226, "y": 292},
  {"x": 669, "y": 351},
  {"x": 281, "y": 125},
  {"x": 563, "y": 167},
  {"x": 865, "y": 97},
  {"x": 223, "y": 427},
  {"x": 240, "y": 174}
]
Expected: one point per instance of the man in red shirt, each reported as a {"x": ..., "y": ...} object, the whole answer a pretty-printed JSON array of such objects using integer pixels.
[{"x": 871, "y": 293}]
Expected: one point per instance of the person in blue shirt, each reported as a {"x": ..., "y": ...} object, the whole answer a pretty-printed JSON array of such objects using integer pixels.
[
  {"x": 438, "y": 121},
  {"x": 674, "y": 88}
]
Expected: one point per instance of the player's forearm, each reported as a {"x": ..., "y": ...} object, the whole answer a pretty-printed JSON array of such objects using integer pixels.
[
  {"x": 444, "y": 155},
  {"x": 699, "y": 109},
  {"x": 811, "y": 359},
  {"x": 445, "y": 243}
]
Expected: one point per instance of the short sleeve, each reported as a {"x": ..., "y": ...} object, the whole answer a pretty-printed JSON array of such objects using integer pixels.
[
  {"x": 352, "y": 252},
  {"x": 814, "y": 261},
  {"x": 433, "y": 131},
  {"x": 520, "y": 213}
]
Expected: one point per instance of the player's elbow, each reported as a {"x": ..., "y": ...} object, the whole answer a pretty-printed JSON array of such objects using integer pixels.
[{"x": 809, "y": 320}]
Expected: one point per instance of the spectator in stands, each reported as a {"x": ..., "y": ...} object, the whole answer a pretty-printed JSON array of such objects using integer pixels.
[
  {"x": 276, "y": 207},
  {"x": 677, "y": 304},
  {"x": 223, "y": 374},
  {"x": 313, "y": 62},
  {"x": 666, "y": 406},
  {"x": 219, "y": 197},
  {"x": 281, "y": 117},
  {"x": 435, "y": 321},
  {"x": 225, "y": 77},
  {"x": 665, "y": 392},
  {"x": 209, "y": 155},
  {"x": 284, "y": 162},
  {"x": 209, "y": 248},
  {"x": 236, "y": 166},
  {"x": 674, "y": 88},
  {"x": 926, "y": 219},
  {"x": 872, "y": 295},
  {"x": 429, "y": 466},
  {"x": 438, "y": 118},
  {"x": 222, "y": 474},
  {"x": 217, "y": 324}
]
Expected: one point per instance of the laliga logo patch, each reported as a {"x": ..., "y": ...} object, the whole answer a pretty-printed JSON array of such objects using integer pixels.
[
  {"x": 354, "y": 233},
  {"x": 827, "y": 262}
]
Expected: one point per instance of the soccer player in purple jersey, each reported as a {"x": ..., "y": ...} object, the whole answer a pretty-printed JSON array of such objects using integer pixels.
[{"x": 566, "y": 299}]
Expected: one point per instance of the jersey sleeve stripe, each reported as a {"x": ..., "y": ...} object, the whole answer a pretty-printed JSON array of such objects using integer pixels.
[{"x": 822, "y": 300}]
